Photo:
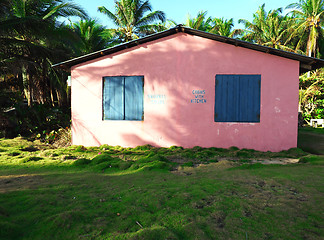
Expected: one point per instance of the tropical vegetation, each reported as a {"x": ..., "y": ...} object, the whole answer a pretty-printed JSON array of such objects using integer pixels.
[
  {"x": 218, "y": 26},
  {"x": 32, "y": 39},
  {"x": 309, "y": 17},
  {"x": 311, "y": 95},
  {"x": 132, "y": 21},
  {"x": 270, "y": 29},
  {"x": 91, "y": 36}
]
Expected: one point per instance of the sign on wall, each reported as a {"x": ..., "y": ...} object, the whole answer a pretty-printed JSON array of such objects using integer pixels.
[
  {"x": 157, "y": 98},
  {"x": 199, "y": 96}
]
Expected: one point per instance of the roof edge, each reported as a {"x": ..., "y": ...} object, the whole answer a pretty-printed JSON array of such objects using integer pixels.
[{"x": 306, "y": 63}]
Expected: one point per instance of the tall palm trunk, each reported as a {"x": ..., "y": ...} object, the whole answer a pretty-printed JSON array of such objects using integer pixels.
[
  {"x": 309, "y": 50},
  {"x": 27, "y": 84}
]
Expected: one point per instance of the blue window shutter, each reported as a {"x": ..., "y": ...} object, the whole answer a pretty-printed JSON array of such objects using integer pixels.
[
  {"x": 237, "y": 98},
  {"x": 226, "y": 98},
  {"x": 250, "y": 86},
  {"x": 134, "y": 97},
  {"x": 113, "y": 98},
  {"x": 220, "y": 99}
]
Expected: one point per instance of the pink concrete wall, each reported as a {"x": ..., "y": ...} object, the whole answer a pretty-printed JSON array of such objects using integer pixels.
[{"x": 173, "y": 67}]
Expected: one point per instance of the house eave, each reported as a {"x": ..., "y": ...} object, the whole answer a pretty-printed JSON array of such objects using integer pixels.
[{"x": 306, "y": 63}]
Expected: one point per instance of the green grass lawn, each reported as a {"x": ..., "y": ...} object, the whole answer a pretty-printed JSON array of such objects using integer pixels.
[{"x": 158, "y": 193}]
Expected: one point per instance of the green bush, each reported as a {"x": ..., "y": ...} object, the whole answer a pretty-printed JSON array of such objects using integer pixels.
[
  {"x": 311, "y": 95},
  {"x": 40, "y": 120}
]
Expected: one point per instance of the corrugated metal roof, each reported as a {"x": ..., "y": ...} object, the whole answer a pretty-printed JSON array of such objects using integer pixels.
[{"x": 306, "y": 63}]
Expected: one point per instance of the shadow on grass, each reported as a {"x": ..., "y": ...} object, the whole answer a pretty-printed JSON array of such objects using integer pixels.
[{"x": 311, "y": 140}]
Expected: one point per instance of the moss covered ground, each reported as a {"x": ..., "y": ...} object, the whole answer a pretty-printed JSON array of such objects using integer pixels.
[{"x": 159, "y": 193}]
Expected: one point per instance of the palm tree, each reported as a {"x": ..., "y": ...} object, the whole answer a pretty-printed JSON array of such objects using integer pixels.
[
  {"x": 213, "y": 25},
  {"x": 29, "y": 36},
  {"x": 269, "y": 29},
  {"x": 200, "y": 22},
  {"x": 224, "y": 27},
  {"x": 310, "y": 16},
  {"x": 93, "y": 35},
  {"x": 131, "y": 20},
  {"x": 254, "y": 30}
]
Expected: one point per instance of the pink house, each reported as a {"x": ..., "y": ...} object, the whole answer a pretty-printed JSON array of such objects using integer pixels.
[{"x": 187, "y": 88}]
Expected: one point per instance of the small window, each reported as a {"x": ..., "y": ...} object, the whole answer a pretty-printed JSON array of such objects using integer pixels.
[
  {"x": 237, "y": 98},
  {"x": 123, "y": 98}
]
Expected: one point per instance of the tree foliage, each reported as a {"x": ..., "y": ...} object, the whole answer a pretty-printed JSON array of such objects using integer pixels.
[
  {"x": 219, "y": 26},
  {"x": 93, "y": 36},
  {"x": 269, "y": 29},
  {"x": 32, "y": 38},
  {"x": 134, "y": 19},
  {"x": 308, "y": 16},
  {"x": 311, "y": 95}
]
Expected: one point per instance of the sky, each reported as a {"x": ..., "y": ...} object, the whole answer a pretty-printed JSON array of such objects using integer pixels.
[{"x": 178, "y": 10}]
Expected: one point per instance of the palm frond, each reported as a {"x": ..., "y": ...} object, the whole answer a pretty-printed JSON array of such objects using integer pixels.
[
  {"x": 110, "y": 15},
  {"x": 66, "y": 10},
  {"x": 151, "y": 17},
  {"x": 140, "y": 11}
]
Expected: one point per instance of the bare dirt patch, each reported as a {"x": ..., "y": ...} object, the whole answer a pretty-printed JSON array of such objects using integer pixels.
[
  {"x": 266, "y": 161},
  {"x": 282, "y": 161},
  {"x": 225, "y": 163}
]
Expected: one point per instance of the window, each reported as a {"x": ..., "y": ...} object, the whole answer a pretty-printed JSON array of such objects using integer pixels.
[
  {"x": 123, "y": 98},
  {"x": 237, "y": 98}
]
